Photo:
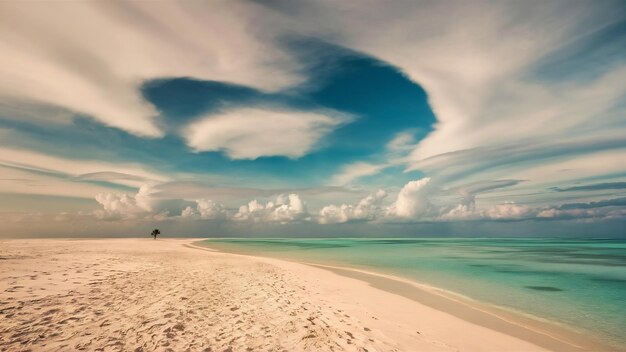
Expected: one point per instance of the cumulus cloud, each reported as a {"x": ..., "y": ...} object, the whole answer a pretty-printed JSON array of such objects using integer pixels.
[
  {"x": 600, "y": 210},
  {"x": 286, "y": 208},
  {"x": 461, "y": 212},
  {"x": 117, "y": 206},
  {"x": 367, "y": 209},
  {"x": 411, "y": 204},
  {"x": 468, "y": 192},
  {"x": 414, "y": 203},
  {"x": 205, "y": 209},
  {"x": 506, "y": 211},
  {"x": 413, "y": 200},
  {"x": 123, "y": 206},
  {"x": 150, "y": 202},
  {"x": 147, "y": 203},
  {"x": 144, "y": 204},
  {"x": 614, "y": 208},
  {"x": 97, "y": 65},
  {"x": 581, "y": 214},
  {"x": 250, "y": 133}
]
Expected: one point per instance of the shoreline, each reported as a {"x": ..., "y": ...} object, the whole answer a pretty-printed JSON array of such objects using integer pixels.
[
  {"x": 530, "y": 328},
  {"x": 171, "y": 294},
  {"x": 545, "y": 334}
]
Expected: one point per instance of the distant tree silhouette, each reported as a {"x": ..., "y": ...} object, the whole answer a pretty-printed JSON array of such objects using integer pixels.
[{"x": 155, "y": 233}]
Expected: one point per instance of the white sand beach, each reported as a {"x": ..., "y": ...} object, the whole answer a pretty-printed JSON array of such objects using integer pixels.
[{"x": 169, "y": 295}]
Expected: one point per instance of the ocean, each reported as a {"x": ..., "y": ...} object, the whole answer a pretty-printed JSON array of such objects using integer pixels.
[{"x": 577, "y": 283}]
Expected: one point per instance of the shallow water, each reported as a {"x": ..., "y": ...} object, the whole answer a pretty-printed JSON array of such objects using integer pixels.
[{"x": 578, "y": 283}]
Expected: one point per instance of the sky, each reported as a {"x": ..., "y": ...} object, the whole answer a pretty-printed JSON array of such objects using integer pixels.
[{"x": 313, "y": 118}]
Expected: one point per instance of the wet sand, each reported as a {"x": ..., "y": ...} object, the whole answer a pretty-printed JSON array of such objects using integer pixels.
[{"x": 541, "y": 333}]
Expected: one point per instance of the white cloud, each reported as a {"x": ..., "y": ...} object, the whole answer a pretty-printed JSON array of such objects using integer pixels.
[
  {"x": 20, "y": 181},
  {"x": 117, "y": 206},
  {"x": 145, "y": 204},
  {"x": 575, "y": 167},
  {"x": 29, "y": 172},
  {"x": 395, "y": 153},
  {"x": 508, "y": 210},
  {"x": 250, "y": 133},
  {"x": 402, "y": 142},
  {"x": 418, "y": 201},
  {"x": 605, "y": 213},
  {"x": 96, "y": 65},
  {"x": 414, "y": 203},
  {"x": 480, "y": 63},
  {"x": 505, "y": 211},
  {"x": 335, "y": 214},
  {"x": 209, "y": 209},
  {"x": 122, "y": 173},
  {"x": 413, "y": 200},
  {"x": 124, "y": 206},
  {"x": 461, "y": 212},
  {"x": 205, "y": 209},
  {"x": 188, "y": 212},
  {"x": 353, "y": 171},
  {"x": 367, "y": 209},
  {"x": 286, "y": 208},
  {"x": 452, "y": 48}
]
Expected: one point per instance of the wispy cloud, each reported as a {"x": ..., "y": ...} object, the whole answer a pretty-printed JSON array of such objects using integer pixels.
[
  {"x": 593, "y": 187},
  {"x": 30, "y": 172},
  {"x": 478, "y": 63},
  {"x": 96, "y": 65}
]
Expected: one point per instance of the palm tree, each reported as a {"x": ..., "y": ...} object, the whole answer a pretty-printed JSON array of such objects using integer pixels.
[{"x": 155, "y": 232}]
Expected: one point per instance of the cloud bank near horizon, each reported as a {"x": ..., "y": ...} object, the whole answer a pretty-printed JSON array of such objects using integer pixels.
[{"x": 417, "y": 201}]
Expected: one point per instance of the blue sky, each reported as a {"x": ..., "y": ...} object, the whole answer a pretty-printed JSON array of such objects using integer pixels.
[{"x": 313, "y": 119}]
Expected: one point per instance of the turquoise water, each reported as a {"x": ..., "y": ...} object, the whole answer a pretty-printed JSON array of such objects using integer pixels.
[{"x": 578, "y": 283}]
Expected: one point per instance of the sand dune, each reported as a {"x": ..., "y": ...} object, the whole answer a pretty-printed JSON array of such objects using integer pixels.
[{"x": 164, "y": 295}]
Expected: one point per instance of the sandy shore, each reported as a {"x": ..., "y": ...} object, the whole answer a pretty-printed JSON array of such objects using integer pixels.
[{"x": 168, "y": 295}]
